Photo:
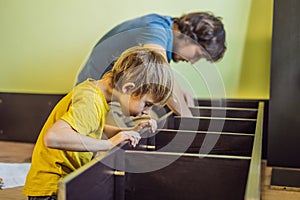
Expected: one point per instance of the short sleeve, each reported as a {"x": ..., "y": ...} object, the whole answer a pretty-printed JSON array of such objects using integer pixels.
[
  {"x": 86, "y": 112},
  {"x": 153, "y": 35},
  {"x": 157, "y": 31}
]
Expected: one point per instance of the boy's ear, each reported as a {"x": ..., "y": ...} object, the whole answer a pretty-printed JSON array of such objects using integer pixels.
[{"x": 127, "y": 87}]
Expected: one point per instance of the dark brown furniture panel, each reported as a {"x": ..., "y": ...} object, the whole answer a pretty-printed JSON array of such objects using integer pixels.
[
  {"x": 284, "y": 109},
  {"x": 160, "y": 174},
  {"x": 23, "y": 115},
  {"x": 249, "y": 113},
  {"x": 101, "y": 179},
  {"x": 222, "y": 144},
  {"x": 213, "y": 124},
  {"x": 188, "y": 177},
  {"x": 237, "y": 103}
]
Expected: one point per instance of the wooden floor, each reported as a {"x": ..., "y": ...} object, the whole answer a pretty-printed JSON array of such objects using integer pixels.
[{"x": 14, "y": 152}]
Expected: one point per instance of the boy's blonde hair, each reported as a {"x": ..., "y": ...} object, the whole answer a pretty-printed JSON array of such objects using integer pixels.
[{"x": 147, "y": 69}]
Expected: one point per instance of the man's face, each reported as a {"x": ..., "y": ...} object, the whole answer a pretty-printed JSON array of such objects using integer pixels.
[{"x": 187, "y": 52}]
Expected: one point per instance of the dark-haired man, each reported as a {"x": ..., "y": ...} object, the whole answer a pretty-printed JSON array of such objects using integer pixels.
[{"x": 189, "y": 38}]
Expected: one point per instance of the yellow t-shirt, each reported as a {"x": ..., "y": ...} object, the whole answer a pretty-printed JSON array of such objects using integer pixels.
[{"x": 85, "y": 109}]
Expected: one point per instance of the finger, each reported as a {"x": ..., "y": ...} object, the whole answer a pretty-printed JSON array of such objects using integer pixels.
[
  {"x": 190, "y": 102},
  {"x": 135, "y": 141},
  {"x": 134, "y": 138},
  {"x": 144, "y": 123},
  {"x": 132, "y": 141},
  {"x": 153, "y": 125}
]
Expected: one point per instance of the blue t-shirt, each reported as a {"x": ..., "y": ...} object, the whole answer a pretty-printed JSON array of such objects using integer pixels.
[{"x": 148, "y": 29}]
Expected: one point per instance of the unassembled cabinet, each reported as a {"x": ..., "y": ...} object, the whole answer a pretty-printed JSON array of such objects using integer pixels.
[{"x": 212, "y": 164}]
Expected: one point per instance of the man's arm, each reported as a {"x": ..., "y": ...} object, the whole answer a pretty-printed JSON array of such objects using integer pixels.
[{"x": 178, "y": 102}]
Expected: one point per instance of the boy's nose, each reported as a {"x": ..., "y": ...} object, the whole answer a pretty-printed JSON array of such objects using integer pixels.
[{"x": 146, "y": 111}]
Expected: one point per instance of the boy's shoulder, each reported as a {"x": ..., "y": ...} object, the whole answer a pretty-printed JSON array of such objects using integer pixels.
[
  {"x": 87, "y": 89},
  {"x": 87, "y": 93}
]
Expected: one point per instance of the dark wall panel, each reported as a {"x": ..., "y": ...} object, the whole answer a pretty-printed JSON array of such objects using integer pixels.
[
  {"x": 284, "y": 107},
  {"x": 23, "y": 115}
]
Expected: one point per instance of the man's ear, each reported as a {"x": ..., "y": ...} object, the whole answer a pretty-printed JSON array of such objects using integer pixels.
[{"x": 127, "y": 87}]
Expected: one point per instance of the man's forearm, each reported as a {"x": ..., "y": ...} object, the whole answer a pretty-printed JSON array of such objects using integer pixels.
[{"x": 177, "y": 102}]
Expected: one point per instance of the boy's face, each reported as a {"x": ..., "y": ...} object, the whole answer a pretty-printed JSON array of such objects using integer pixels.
[{"x": 136, "y": 106}]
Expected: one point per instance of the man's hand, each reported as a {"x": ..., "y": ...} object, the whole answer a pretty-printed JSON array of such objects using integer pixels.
[
  {"x": 178, "y": 102},
  {"x": 189, "y": 99}
]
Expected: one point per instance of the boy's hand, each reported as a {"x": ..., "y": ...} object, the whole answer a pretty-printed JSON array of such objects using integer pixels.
[
  {"x": 151, "y": 123},
  {"x": 133, "y": 137}
]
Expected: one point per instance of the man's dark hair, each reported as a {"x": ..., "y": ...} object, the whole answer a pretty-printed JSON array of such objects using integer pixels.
[{"x": 205, "y": 29}]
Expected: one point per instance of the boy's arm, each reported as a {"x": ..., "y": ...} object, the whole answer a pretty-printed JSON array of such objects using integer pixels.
[
  {"x": 62, "y": 136},
  {"x": 110, "y": 130}
]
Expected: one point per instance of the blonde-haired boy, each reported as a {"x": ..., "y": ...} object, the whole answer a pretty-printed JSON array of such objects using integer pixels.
[{"x": 139, "y": 79}]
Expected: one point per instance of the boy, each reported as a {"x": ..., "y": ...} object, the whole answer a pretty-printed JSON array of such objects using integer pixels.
[{"x": 139, "y": 79}]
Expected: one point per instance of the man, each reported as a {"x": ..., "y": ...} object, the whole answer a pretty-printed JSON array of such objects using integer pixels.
[{"x": 189, "y": 38}]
